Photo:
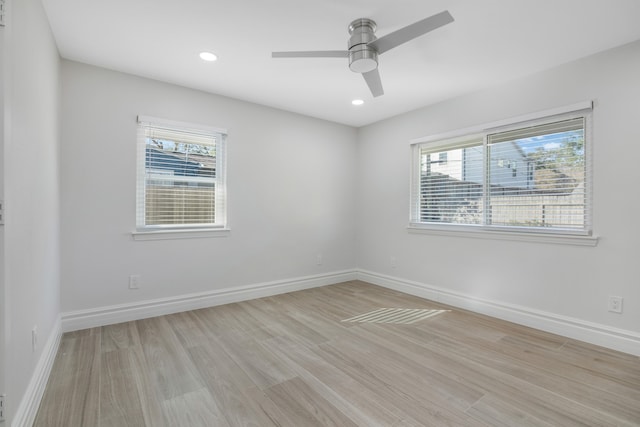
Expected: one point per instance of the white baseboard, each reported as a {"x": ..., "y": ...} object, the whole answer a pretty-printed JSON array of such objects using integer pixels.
[
  {"x": 594, "y": 333},
  {"x": 598, "y": 334},
  {"x": 28, "y": 408},
  {"x": 101, "y": 316}
]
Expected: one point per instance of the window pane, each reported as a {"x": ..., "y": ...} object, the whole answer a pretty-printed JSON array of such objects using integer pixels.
[
  {"x": 179, "y": 179},
  {"x": 537, "y": 176},
  {"x": 179, "y": 203},
  {"x": 451, "y": 185}
]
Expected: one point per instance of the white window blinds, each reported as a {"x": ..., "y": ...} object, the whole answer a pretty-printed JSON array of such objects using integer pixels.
[
  {"x": 180, "y": 175},
  {"x": 537, "y": 176},
  {"x": 451, "y": 183},
  {"x": 525, "y": 177}
]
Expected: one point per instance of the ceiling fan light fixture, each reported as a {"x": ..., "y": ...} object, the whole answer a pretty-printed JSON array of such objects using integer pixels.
[
  {"x": 363, "y": 61},
  {"x": 208, "y": 56}
]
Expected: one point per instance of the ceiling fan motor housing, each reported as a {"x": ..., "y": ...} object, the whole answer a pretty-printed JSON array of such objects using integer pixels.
[{"x": 362, "y": 58}]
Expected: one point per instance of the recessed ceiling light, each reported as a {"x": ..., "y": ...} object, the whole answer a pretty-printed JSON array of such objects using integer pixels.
[
  {"x": 357, "y": 102},
  {"x": 208, "y": 56}
]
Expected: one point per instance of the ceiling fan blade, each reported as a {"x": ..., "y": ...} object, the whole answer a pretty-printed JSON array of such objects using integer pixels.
[
  {"x": 410, "y": 32},
  {"x": 373, "y": 81},
  {"x": 312, "y": 54}
]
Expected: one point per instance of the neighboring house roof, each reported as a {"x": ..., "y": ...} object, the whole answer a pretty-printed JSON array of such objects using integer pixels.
[
  {"x": 520, "y": 150},
  {"x": 182, "y": 164}
]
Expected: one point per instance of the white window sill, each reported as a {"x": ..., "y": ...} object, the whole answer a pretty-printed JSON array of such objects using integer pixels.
[
  {"x": 180, "y": 234},
  {"x": 480, "y": 233}
]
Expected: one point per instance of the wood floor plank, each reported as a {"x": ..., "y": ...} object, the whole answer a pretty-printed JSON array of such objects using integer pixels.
[
  {"x": 150, "y": 403},
  {"x": 290, "y": 361},
  {"x": 83, "y": 333},
  {"x": 172, "y": 373},
  {"x": 262, "y": 366},
  {"x": 231, "y": 323},
  {"x": 193, "y": 409},
  {"x": 227, "y": 319},
  {"x": 283, "y": 324},
  {"x": 408, "y": 423},
  {"x": 188, "y": 328},
  {"x": 262, "y": 404},
  {"x": 498, "y": 413},
  {"x": 304, "y": 406},
  {"x": 228, "y": 385},
  {"x": 121, "y": 335},
  {"x": 119, "y": 398}
]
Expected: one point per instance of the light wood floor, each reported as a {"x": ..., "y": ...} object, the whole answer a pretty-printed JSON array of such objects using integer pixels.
[{"x": 288, "y": 360}]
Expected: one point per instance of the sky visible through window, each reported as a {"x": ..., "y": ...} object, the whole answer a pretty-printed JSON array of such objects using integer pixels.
[{"x": 551, "y": 142}]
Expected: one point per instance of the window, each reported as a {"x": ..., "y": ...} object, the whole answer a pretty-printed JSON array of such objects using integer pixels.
[
  {"x": 528, "y": 177},
  {"x": 181, "y": 175}
]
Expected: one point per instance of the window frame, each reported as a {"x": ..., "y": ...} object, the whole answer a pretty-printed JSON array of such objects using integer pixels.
[
  {"x": 456, "y": 139},
  {"x": 172, "y": 231}
]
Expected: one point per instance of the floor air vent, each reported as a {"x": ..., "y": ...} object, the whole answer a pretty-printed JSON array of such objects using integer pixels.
[{"x": 404, "y": 316}]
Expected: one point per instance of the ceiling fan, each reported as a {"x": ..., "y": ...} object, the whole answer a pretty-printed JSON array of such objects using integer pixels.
[{"x": 364, "y": 46}]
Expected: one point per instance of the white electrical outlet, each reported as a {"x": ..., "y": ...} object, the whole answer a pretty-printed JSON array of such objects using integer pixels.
[
  {"x": 319, "y": 259},
  {"x": 615, "y": 304},
  {"x": 34, "y": 338},
  {"x": 134, "y": 281},
  {"x": 394, "y": 262}
]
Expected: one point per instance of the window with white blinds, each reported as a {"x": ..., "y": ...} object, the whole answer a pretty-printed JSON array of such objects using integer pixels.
[
  {"x": 180, "y": 176},
  {"x": 527, "y": 177}
]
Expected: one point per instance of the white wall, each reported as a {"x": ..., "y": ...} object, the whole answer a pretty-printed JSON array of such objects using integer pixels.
[
  {"x": 31, "y": 273},
  {"x": 3, "y": 298},
  {"x": 291, "y": 186},
  {"x": 564, "y": 280}
]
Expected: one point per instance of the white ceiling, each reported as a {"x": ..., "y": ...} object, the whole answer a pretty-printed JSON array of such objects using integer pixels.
[{"x": 490, "y": 41}]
